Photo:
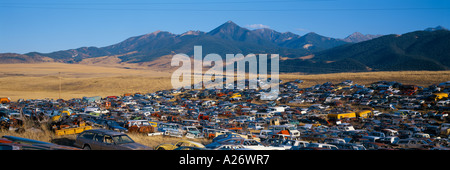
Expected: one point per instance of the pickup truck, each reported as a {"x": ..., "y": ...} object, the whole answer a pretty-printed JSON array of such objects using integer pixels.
[{"x": 170, "y": 129}]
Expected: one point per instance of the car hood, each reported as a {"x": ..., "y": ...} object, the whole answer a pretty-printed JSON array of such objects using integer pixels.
[{"x": 119, "y": 127}]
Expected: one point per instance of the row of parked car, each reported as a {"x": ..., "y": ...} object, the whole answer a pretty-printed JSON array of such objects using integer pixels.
[{"x": 380, "y": 115}]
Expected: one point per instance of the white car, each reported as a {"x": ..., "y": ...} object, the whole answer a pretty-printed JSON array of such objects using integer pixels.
[
  {"x": 323, "y": 145},
  {"x": 255, "y": 145},
  {"x": 288, "y": 144}
]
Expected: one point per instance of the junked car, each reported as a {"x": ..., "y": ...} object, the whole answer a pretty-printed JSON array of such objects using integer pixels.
[
  {"x": 412, "y": 143},
  {"x": 181, "y": 143},
  {"x": 226, "y": 136},
  {"x": 255, "y": 145},
  {"x": 111, "y": 125},
  {"x": 170, "y": 129},
  {"x": 323, "y": 146},
  {"x": 231, "y": 140},
  {"x": 288, "y": 144},
  {"x": 191, "y": 132},
  {"x": 102, "y": 139},
  {"x": 231, "y": 147}
]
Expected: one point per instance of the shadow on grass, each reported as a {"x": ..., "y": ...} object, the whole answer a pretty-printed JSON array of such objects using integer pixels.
[{"x": 63, "y": 141}]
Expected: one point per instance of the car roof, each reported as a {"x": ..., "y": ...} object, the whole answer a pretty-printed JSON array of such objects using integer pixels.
[
  {"x": 192, "y": 142},
  {"x": 104, "y": 131}
]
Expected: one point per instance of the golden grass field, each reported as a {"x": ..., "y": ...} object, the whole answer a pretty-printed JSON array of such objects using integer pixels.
[
  {"x": 421, "y": 78},
  {"x": 41, "y": 80},
  {"x": 38, "y": 81}
]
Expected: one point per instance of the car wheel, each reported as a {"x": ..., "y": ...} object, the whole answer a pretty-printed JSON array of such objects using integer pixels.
[
  {"x": 86, "y": 147},
  {"x": 161, "y": 148}
]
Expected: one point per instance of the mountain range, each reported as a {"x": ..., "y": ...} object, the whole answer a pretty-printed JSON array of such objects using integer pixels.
[
  {"x": 418, "y": 50},
  {"x": 358, "y": 37},
  {"x": 310, "y": 53}
]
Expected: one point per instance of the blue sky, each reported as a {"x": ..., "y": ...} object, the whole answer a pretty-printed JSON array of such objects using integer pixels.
[{"x": 50, "y": 25}]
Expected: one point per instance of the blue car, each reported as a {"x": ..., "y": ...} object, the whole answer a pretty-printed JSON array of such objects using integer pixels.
[{"x": 111, "y": 125}]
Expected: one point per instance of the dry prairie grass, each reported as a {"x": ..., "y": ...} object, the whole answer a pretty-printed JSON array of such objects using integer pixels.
[
  {"x": 42, "y": 134},
  {"x": 38, "y": 81},
  {"x": 48, "y": 87},
  {"x": 422, "y": 78}
]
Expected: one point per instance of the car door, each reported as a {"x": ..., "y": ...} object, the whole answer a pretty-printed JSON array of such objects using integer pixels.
[
  {"x": 84, "y": 138},
  {"x": 97, "y": 142},
  {"x": 108, "y": 143}
]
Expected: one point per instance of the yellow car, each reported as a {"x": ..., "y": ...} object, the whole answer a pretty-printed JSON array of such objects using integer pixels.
[
  {"x": 180, "y": 143},
  {"x": 439, "y": 96},
  {"x": 62, "y": 113},
  {"x": 236, "y": 95}
]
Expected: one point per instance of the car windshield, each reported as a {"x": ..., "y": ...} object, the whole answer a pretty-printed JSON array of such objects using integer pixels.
[
  {"x": 191, "y": 129},
  {"x": 121, "y": 139}
]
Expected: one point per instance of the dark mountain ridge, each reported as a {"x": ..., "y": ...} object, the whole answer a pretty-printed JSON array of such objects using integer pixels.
[
  {"x": 419, "y": 50},
  {"x": 310, "y": 53}
]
